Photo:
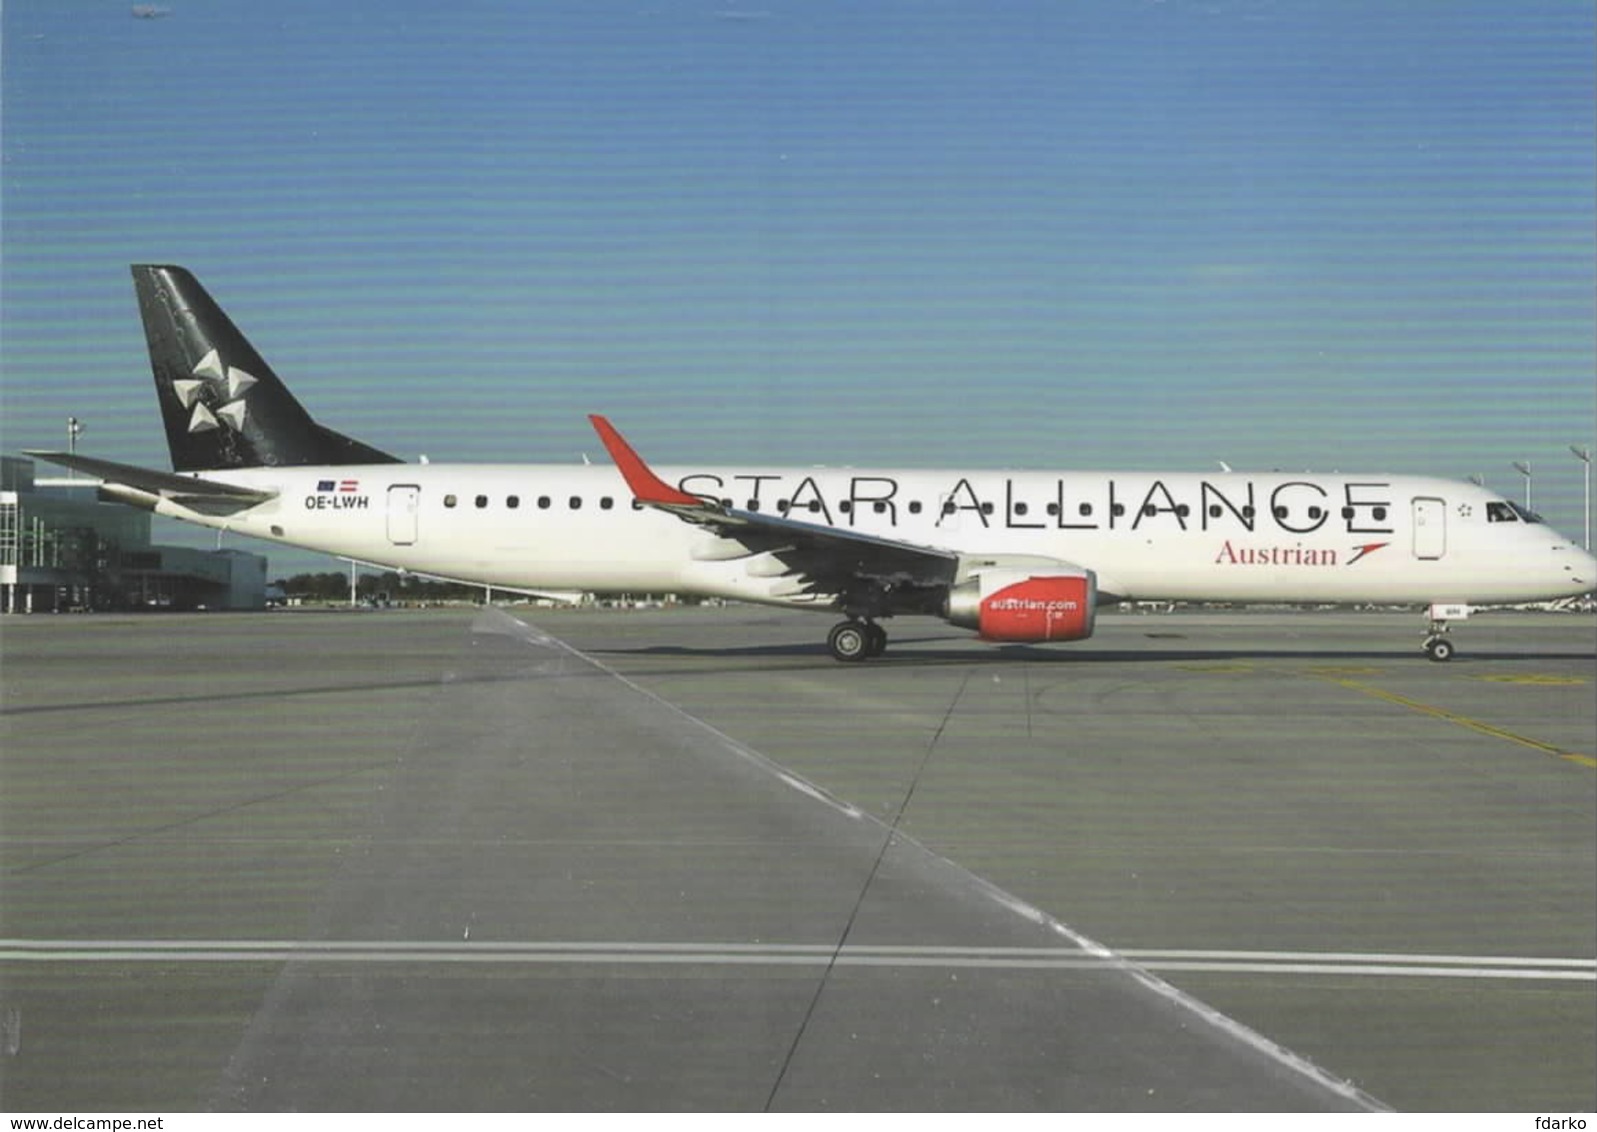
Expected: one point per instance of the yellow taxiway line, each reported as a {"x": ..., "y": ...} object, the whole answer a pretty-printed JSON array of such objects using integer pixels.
[{"x": 1465, "y": 721}]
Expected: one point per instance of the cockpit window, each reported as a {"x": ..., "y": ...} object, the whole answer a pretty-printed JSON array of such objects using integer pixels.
[{"x": 1508, "y": 511}]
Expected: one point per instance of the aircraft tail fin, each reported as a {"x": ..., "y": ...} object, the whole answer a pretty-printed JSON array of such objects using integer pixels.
[{"x": 222, "y": 405}]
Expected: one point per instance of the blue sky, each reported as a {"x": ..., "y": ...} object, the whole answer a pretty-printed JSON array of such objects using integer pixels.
[{"x": 1108, "y": 233}]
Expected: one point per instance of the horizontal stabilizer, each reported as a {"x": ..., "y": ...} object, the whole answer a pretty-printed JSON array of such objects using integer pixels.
[{"x": 167, "y": 484}]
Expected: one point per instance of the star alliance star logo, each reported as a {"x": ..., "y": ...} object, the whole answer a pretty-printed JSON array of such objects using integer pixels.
[{"x": 214, "y": 384}]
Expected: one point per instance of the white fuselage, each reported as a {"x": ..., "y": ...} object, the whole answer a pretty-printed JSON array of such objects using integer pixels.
[{"x": 1148, "y": 536}]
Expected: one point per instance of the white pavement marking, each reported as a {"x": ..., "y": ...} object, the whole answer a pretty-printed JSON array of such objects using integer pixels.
[
  {"x": 713, "y": 954},
  {"x": 500, "y": 621}
]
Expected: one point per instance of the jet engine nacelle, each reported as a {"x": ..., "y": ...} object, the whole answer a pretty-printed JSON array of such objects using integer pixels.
[{"x": 1010, "y": 604}]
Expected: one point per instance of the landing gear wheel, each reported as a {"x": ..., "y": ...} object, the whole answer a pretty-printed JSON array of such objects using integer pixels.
[
  {"x": 878, "y": 639},
  {"x": 1439, "y": 649},
  {"x": 850, "y": 640}
]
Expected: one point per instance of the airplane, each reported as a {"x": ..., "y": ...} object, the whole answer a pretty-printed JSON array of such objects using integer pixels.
[{"x": 1016, "y": 556}]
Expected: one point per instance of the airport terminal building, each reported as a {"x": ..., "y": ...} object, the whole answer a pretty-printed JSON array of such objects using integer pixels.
[{"x": 62, "y": 549}]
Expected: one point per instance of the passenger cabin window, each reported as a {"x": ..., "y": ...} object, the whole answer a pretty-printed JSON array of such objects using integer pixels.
[
  {"x": 450, "y": 501},
  {"x": 543, "y": 502},
  {"x": 576, "y": 502},
  {"x": 605, "y": 503},
  {"x": 914, "y": 507},
  {"x": 482, "y": 501},
  {"x": 512, "y": 501}
]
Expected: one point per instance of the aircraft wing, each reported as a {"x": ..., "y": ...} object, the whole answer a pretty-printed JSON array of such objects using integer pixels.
[
  {"x": 187, "y": 490},
  {"x": 820, "y": 558}
]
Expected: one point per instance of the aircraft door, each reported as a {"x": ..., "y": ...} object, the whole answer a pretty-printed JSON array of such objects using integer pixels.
[
  {"x": 404, "y": 501},
  {"x": 1430, "y": 528}
]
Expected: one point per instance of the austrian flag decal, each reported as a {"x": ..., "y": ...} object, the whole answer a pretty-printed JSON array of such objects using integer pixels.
[{"x": 337, "y": 495}]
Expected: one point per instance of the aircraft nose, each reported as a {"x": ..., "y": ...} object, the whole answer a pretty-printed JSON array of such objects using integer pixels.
[
  {"x": 1578, "y": 569},
  {"x": 1583, "y": 567}
]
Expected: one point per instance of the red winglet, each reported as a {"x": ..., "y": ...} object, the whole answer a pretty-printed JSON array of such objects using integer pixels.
[{"x": 646, "y": 486}]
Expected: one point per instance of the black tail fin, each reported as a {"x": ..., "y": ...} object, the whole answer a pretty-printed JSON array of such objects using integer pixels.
[{"x": 222, "y": 405}]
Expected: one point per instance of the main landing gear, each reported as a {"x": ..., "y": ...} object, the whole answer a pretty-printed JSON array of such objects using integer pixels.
[{"x": 856, "y": 640}]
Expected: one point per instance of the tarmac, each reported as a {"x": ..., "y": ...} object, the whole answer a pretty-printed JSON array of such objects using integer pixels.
[{"x": 681, "y": 859}]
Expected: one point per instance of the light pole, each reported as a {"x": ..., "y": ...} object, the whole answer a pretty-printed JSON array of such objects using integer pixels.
[
  {"x": 1523, "y": 468},
  {"x": 74, "y": 430},
  {"x": 1583, "y": 454}
]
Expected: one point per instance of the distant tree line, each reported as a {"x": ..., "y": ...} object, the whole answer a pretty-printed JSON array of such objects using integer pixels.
[{"x": 334, "y": 586}]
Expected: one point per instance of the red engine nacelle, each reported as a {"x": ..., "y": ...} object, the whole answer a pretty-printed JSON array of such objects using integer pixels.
[{"x": 1026, "y": 605}]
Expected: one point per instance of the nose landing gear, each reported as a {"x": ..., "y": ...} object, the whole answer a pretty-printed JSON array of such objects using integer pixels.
[{"x": 1438, "y": 646}]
